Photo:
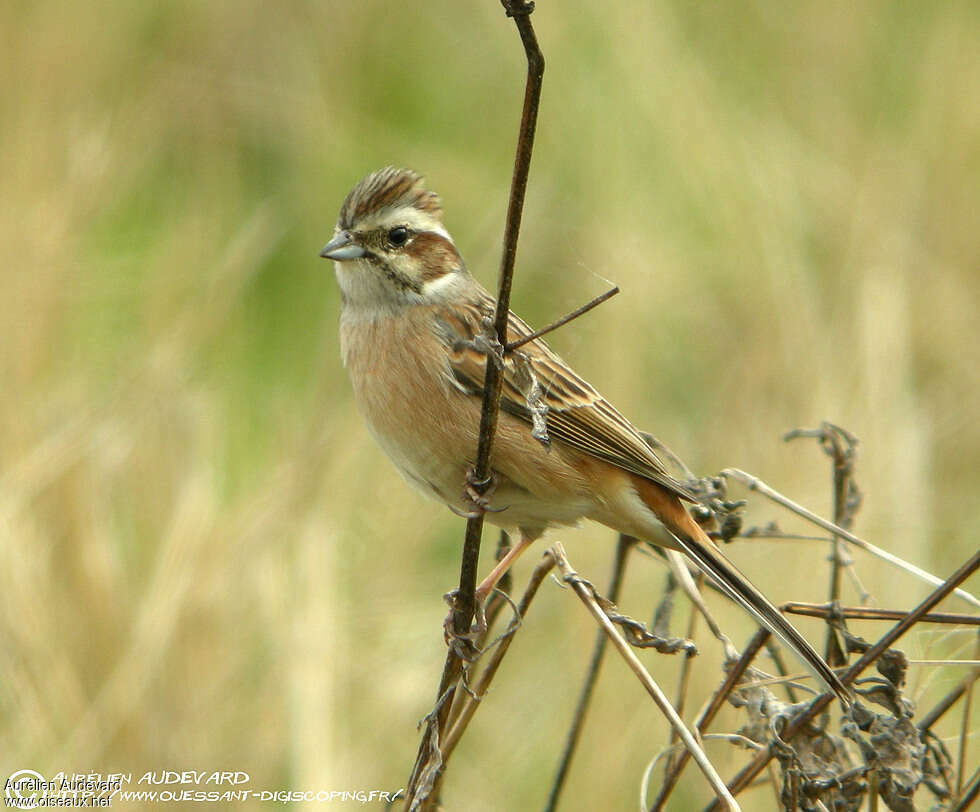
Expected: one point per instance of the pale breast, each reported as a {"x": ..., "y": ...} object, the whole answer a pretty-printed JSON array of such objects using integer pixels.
[
  {"x": 401, "y": 386},
  {"x": 429, "y": 428}
]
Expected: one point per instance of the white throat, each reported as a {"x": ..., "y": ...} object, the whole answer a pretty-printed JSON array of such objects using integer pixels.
[{"x": 366, "y": 292}]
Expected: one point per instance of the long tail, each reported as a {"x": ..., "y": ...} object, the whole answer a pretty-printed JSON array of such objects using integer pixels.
[{"x": 696, "y": 544}]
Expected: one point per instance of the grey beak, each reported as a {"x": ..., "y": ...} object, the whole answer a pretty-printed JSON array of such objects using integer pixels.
[{"x": 342, "y": 248}]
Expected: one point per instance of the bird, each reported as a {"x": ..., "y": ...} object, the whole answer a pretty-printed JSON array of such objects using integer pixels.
[{"x": 413, "y": 338}]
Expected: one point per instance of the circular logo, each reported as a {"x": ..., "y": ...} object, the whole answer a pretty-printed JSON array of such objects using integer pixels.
[{"x": 21, "y": 791}]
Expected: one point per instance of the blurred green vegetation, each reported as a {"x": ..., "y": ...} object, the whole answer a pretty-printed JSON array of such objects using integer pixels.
[{"x": 205, "y": 563}]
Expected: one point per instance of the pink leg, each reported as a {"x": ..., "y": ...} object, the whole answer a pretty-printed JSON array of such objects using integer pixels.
[{"x": 487, "y": 584}]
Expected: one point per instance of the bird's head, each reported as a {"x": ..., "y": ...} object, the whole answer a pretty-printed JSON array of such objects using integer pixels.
[{"x": 390, "y": 247}]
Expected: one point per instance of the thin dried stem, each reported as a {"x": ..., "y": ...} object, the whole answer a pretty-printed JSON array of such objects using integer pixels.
[
  {"x": 623, "y": 546},
  {"x": 684, "y": 679},
  {"x": 493, "y": 381},
  {"x": 479, "y": 690},
  {"x": 971, "y": 793},
  {"x": 588, "y": 598},
  {"x": 951, "y": 661},
  {"x": 947, "y": 701},
  {"x": 840, "y": 446},
  {"x": 465, "y": 603},
  {"x": 867, "y": 613},
  {"x": 679, "y": 566},
  {"x": 776, "y": 655},
  {"x": 581, "y": 311},
  {"x": 771, "y": 534},
  {"x": 672, "y": 750},
  {"x": 873, "y": 791},
  {"x": 735, "y": 673},
  {"x": 664, "y": 451},
  {"x": 965, "y": 732},
  {"x": 497, "y": 600},
  {"x": 755, "y": 484}
]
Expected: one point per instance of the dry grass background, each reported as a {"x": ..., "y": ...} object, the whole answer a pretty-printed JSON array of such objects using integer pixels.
[{"x": 205, "y": 563}]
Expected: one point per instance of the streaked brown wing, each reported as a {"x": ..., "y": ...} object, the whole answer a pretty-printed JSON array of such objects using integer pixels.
[{"x": 576, "y": 413}]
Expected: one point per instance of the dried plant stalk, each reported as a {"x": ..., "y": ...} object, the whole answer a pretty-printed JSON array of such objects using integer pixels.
[{"x": 586, "y": 594}]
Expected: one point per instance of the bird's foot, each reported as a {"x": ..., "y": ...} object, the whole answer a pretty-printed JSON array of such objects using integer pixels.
[
  {"x": 477, "y": 493},
  {"x": 465, "y": 643}
]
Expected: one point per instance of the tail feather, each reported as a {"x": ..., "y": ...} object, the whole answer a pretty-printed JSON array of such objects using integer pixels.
[
  {"x": 741, "y": 590},
  {"x": 696, "y": 544}
]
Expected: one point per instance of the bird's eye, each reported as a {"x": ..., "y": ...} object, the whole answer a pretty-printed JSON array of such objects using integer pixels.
[{"x": 398, "y": 235}]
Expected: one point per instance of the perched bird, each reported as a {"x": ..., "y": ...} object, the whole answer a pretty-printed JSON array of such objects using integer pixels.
[{"x": 412, "y": 337}]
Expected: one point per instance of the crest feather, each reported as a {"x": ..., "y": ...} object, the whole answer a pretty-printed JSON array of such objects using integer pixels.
[{"x": 388, "y": 188}]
